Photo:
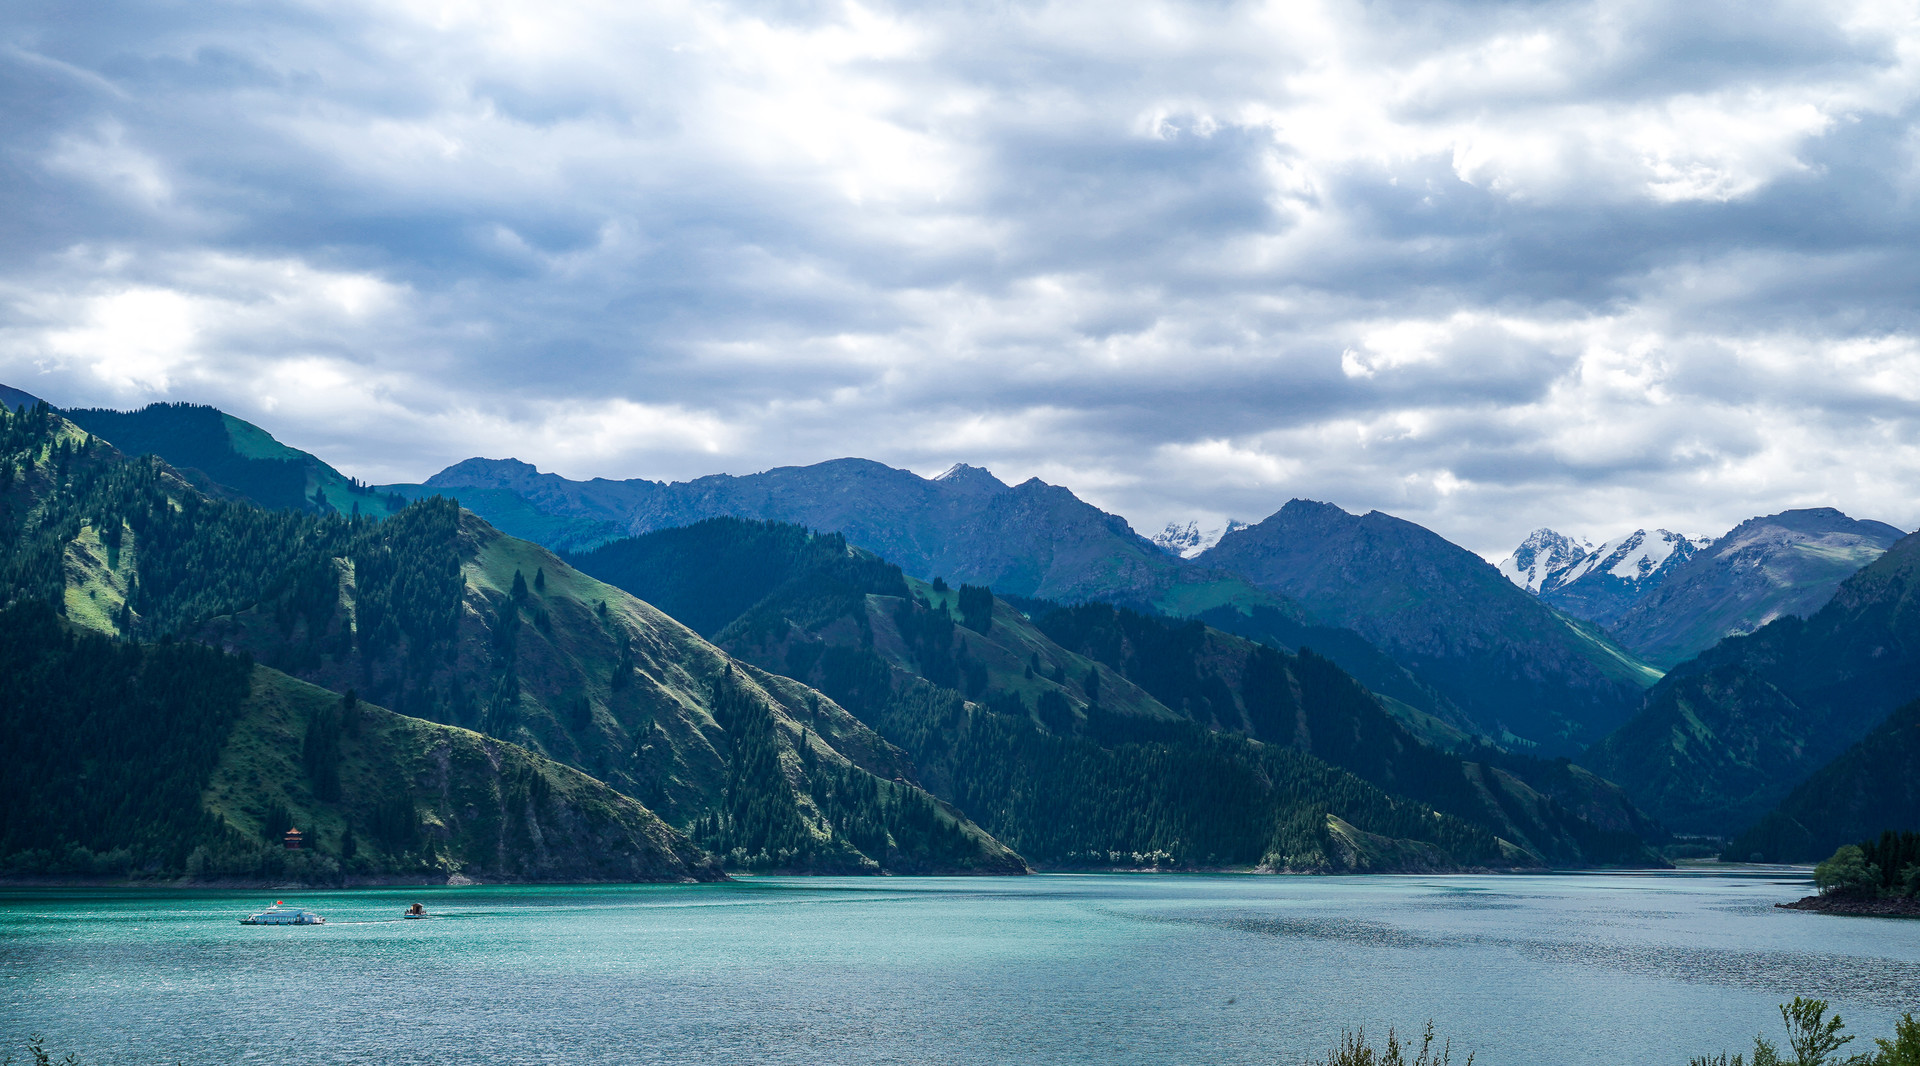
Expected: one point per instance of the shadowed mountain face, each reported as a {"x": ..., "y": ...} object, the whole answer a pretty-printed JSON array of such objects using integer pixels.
[
  {"x": 1870, "y": 788},
  {"x": 1726, "y": 735},
  {"x": 226, "y": 756},
  {"x": 1088, "y": 680},
  {"x": 1518, "y": 668},
  {"x": 1766, "y": 568},
  {"x": 1031, "y": 539}
]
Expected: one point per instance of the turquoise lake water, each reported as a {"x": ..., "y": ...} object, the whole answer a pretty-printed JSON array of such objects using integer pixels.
[{"x": 1045, "y": 969}]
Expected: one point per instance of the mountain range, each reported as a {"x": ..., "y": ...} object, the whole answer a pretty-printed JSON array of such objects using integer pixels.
[
  {"x": 546, "y": 724},
  {"x": 1608, "y": 580},
  {"x": 848, "y": 667},
  {"x": 1668, "y": 597},
  {"x": 1037, "y": 540},
  {"x": 1727, "y": 735}
]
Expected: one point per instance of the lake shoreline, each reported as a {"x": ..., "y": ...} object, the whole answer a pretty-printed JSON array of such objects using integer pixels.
[
  {"x": 442, "y": 880},
  {"x": 1856, "y": 906}
]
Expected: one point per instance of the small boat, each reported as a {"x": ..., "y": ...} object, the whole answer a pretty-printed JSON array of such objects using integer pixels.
[
  {"x": 281, "y": 914},
  {"x": 415, "y": 911}
]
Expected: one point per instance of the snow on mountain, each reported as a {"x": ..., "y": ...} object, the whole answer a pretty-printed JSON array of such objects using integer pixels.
[
  {"x": 1543, "y": 552},
  {"x": 1190, "y": 540},
  {"x": 1639, "y": 559}
]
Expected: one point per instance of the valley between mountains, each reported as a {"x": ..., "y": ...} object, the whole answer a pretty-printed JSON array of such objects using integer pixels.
[{"x": 499, "y": 674}]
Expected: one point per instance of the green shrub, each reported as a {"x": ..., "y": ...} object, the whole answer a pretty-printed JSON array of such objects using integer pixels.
[
  {"x": 1355, "y": 1050},
  {"x": 1847, "y": 871},
  {"x": 1816, "y": 1040}
]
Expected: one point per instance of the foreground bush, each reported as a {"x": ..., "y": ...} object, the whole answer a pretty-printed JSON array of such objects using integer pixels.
[
  {"x": 1354, "y": 1050},
  {"x": 1814, "y": 1039}
]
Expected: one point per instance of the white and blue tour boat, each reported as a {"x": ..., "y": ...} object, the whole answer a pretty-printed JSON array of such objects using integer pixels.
[{"x": 281, "y": 914}]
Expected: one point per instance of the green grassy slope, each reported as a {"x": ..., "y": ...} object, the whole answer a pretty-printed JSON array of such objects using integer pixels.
[
  {"x": 589, "y": 675},
  {"x": 420, "y": 799}
]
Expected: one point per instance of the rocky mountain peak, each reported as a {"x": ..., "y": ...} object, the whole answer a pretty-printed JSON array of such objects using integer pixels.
[
  {"x": 1541, "y": 554},
  {"x": 971, "y": 478},
  {"x": 484, "y": 473}
]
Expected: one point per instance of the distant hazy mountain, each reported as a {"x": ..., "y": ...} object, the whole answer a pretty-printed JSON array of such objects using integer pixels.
[
  {"x": 234, "y": 459},
  {"x": 1870, "y": 788},
  {"x": 1544, "y": 552},
  {"x": 1608, "y": 580},
  {"x": 1031, "y": 539},
  {"x": 1725, "y": 736},
  {"x": 1190, "y": 540},
  {"x": 1519, "y": 668},
  {"x": 15, "y": 399},
  {"x": 1766, "y": 568}
]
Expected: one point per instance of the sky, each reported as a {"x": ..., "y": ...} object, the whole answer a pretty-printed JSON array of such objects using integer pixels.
[{"x": 1486, "y": 266}]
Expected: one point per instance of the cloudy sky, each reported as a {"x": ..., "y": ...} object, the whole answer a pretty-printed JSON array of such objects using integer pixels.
[{"x": 1486, "y": 266}]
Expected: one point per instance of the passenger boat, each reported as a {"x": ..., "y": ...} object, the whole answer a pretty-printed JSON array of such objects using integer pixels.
[
  {"x": 415, "y": 911},
  {"x": 281, "y": 914}
]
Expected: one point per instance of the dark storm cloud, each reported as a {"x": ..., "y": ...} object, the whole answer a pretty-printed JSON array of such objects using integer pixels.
[{"x": 1485, "y": 265}]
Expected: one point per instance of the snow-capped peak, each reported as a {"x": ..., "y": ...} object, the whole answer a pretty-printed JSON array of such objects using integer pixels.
[
  {"x": 1633, "y": 559},
  {"x": 1543, "y": 552},
  {"x": 1190, "y": 540},
  {"x": 967, "y": 476}
]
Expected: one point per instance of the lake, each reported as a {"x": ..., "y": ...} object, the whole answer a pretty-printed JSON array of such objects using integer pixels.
[{"x": 1162, "y": 969}]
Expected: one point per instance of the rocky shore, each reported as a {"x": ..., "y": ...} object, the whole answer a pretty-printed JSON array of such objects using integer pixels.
[{"x": 1865, "y": 906}]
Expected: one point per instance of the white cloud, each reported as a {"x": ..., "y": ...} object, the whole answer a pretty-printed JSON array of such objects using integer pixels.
[{"x": 1490, "y": 266}]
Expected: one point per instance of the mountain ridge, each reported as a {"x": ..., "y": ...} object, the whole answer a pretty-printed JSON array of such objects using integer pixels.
[
  {"x": 1766, "y": 567},
  {"x": 1449, "y": 615},
  {"x": 1726, "y": 735}
]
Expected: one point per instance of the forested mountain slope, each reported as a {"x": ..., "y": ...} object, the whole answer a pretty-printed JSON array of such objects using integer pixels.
[
  {"x": 1725, "y": 736},
  {"x": 1765, "y": 568},
  {"x": 1520, "y": 670},
  {"x": 1868, "y": 789},
  {"x": 225, "y": 756},
  {"x": 920, "y": 660},
  {"x": 230, "y": 458},
  {"x": 444, "y": 618}
]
